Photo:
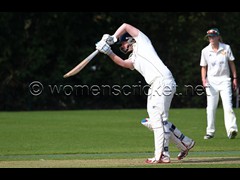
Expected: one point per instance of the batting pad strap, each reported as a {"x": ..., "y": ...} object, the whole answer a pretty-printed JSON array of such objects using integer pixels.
[
  {"x": 165, "y": 123},
  {"x": 181, "y": 137},
  {"x": 172, "y": 128},
  {"x": 165, "y": 149}
]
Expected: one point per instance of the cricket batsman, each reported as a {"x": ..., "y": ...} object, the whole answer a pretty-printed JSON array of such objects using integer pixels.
[{"x": 145, "y": 60}]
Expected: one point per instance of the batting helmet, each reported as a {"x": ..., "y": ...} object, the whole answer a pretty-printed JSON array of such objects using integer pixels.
[{"x": 126, "y": 37}]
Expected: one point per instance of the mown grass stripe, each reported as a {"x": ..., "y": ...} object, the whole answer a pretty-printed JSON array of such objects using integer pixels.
[{"x": 112, "y": 155}]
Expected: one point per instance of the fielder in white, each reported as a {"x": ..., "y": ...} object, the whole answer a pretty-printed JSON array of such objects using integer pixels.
[
  {"x": 145, "y": 60},
  {"x": 216, "y": 61}
]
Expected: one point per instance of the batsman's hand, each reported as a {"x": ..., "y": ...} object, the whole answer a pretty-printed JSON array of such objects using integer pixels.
[
  {"x": 110, "y": 40},
  {"x": 103, "y": 47}
]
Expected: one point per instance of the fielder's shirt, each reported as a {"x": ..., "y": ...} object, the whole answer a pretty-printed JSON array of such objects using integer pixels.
[{"x": 217, "y": 62}]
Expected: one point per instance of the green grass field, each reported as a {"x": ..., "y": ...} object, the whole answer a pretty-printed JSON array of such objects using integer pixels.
[{"x": 107, "y": 138}]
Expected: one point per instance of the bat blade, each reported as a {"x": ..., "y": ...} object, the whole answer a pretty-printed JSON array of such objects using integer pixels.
[{"x": 81, "y": 65}]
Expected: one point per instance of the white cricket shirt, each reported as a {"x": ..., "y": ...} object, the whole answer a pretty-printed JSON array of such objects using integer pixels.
[
  {"x": 146, "y": 61},
  {"x": 217, "y": 63}
]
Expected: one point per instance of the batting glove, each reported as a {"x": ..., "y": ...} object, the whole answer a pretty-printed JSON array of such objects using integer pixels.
[
  {"x": 103, "y": 47},
  {"x": 109, "y": 39}
]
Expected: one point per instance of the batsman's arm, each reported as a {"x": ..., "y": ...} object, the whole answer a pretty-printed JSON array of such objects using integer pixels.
[
  {"x": 125, "y": 27},
  {"x": 119, "y": 61}
]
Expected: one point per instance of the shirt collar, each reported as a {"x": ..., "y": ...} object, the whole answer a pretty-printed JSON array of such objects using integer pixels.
[{"x": 219, "y": 49}]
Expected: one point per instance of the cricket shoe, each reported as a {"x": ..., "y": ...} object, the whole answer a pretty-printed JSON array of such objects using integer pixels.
[
  {"x": 163, "y": 159},
  {"x": 184, "y": 153},
  {"x": 232, "y": 134},
  {"x": 208, "y": 136}
]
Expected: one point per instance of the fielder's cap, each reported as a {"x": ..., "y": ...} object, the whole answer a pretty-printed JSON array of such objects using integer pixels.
[
  {"x": 213, "y": 32},
  {"x": 124, "y": 37}
]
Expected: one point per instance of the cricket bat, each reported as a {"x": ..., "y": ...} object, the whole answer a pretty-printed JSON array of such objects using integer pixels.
[{"x": 81, "y": 65}]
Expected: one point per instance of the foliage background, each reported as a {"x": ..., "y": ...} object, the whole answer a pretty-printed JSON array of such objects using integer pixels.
[{"x": 42, "y": 46}]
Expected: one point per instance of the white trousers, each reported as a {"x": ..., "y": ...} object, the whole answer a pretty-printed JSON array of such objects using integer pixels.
[
  {"x": 224, "y": 90},
  {"x": 160, "y": 96}
]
